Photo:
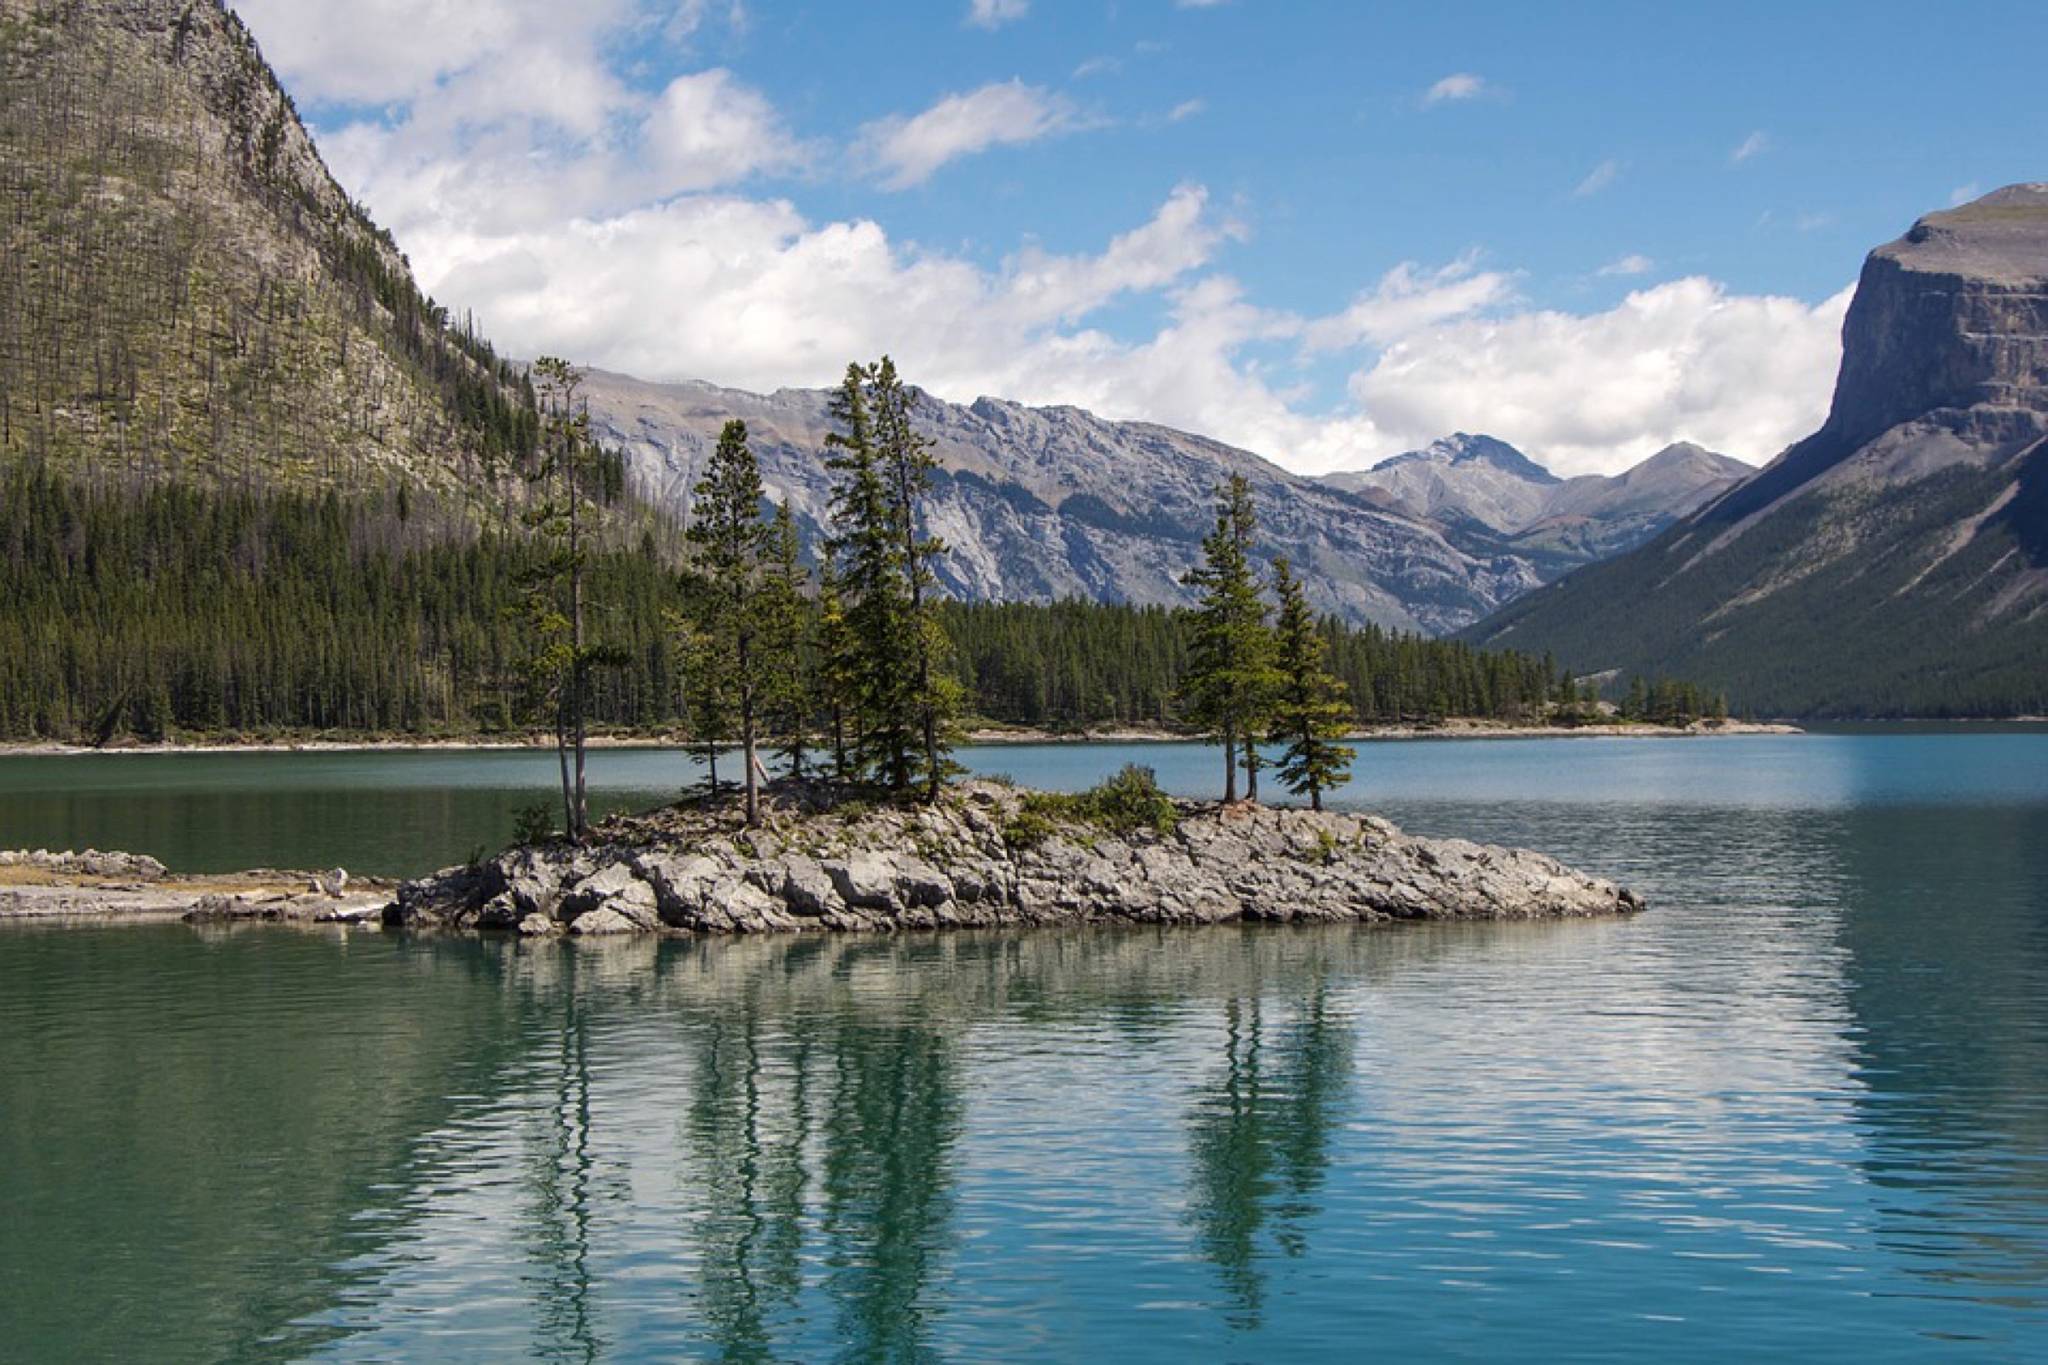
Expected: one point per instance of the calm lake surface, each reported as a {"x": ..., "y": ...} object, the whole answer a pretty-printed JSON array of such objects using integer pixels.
[{"x": 1801, "y": 1106}]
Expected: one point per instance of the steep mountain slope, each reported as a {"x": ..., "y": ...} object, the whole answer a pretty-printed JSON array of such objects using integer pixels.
[
  {"x": 1489, "y": 496},
  {"x": 184, "y": 290},
  {"x": 1894, "y": 562},
  {"x": 1044, "y": 503},
  {"x": 1594, "y": 517}
]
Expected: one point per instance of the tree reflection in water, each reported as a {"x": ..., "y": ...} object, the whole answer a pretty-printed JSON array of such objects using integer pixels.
[{"x": 1259, "y": 1140}]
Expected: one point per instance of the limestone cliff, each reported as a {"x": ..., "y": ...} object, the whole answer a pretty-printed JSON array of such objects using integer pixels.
[{"x": 1894, "y": 562}]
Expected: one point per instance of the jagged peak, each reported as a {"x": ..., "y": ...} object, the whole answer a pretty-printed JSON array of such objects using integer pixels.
[{"x": 1461, "y": 448}]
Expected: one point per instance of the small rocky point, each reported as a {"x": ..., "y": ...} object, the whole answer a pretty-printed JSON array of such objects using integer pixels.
[{"x": 978, "y": 859}]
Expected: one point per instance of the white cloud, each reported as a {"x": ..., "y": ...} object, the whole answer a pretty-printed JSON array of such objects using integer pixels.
[
  {"x": 1459, "y": 85},
  {"x": 1683, "y": 360},
  {"x": 1098, "y": 66},
  {"x": 1407, "y": 299},
  {"x": 1635, "y": 263},
  {"x": 707, "y": 129},
  {"x": 1186, "y": 109},
  {"x": 1598, "y": 179},
  {"x": 909, "y": 150},
  {"x": 581, "y": 214},
  {"x": 1755, "y": 144},
  {"x": 995, "y": 13},
  {"x": 1963, "y": 194}
]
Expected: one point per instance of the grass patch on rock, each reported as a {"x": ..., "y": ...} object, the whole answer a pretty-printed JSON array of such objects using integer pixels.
[{"x": 1128, "y": 803}]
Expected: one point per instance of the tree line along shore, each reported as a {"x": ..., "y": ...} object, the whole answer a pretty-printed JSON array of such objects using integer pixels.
[{"x": 175, "y": 611}]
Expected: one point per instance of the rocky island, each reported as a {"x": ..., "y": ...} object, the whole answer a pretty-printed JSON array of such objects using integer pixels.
[{"x": 989, "y": 855}]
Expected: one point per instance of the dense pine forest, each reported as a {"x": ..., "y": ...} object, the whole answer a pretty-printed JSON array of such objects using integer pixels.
[{"x": 160, "y": 609}]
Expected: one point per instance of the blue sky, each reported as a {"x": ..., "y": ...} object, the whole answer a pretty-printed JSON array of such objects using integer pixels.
[{"x": 1327, "y": 232}]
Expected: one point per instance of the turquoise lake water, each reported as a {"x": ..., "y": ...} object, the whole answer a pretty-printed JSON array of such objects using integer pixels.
[{"x": 1799, "y": 1107}]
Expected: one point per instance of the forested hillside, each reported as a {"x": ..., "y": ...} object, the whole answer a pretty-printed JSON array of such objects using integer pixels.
[
  {"x": 185, "y": 291},
  {"x": 178, "y": 609}
]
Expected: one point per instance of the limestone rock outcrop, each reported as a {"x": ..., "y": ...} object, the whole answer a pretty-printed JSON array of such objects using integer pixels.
[{"x": 974, "y": 860}]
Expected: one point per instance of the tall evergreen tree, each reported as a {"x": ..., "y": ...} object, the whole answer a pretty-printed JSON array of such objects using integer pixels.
[
  {"x": 869, "y": 542},
  {"x": 568, "y": 475},
  {"x": 1311, "y": 713},
  {"x": 1230, "y": 677},
  {"x": 838, "y": 665},
  {"x": 786, "y": 644},
  {"x": 707, "y": 672},
  {"x": 730, "y": 546},
  {"x": 906, "y": 457}
]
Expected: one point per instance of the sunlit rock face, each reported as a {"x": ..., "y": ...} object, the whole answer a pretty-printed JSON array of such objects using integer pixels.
[
  {"x": 1896, "y": 561},
  {"x": 1037, "y": 504}
]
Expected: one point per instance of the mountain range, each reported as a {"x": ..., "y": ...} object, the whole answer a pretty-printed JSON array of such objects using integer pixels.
[
  {"x": 187, "y": 294},
  {"x": 1894, "y": 562},
  {"x": 1039, "y": 503},
  {"x": 1483, "y": 491}
]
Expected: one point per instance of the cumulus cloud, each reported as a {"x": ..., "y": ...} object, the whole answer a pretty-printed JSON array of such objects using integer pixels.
[
  {"x": 1683, "y": 360},
  {"x": 1598, "y": 179},
  {"x": 909, "y": 150},
  {"x": 1408, "y": 298},
  {"x": 1459, "y": 85},
  {"x": 1753, "y": 145},
  {"x": 621, "y": 223},
  {"x": 995, "y": 13}
]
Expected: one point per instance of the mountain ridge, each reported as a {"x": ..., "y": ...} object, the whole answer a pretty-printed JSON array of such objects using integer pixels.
[
  {"x": 1895, "y": 562},
  {"x": 1041, "y": 503},
  {"x": 186, "y": 291},
  {"x": 1485, "y": 491}
]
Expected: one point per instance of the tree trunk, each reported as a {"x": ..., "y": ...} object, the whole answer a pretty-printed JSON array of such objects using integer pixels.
[
  {"x": 579, "y": 818},
  {"x": 751, "y": 780},
  {"x": 562, "y": 757},
  {"x": 1229, "y": 765}
]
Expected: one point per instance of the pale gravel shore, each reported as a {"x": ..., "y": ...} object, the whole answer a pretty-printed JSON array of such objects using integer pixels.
[
  {"x": 1007, "y": 735},
  {"x": 59, "y": 898},
  {"x": 1449, "y": 730}
]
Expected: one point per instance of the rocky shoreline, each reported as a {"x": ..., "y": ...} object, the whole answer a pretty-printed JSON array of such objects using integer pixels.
[
  {"x": 989, "y": 855},
  {"x": 101, "y": 887},
  {"x": 987, "y": 735}
]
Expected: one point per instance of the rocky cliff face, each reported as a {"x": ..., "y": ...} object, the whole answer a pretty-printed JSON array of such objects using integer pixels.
[
  {"x": 1044, "y": 503},
  {"x": 1894, "y": 562},
  {"x": 970, "y": 861}
]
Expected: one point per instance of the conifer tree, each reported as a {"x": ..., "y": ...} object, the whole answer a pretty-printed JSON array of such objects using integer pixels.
[
  {"x": 730, "y": 547},
  {"x": 785, "y": 641},
  {"x": 568, "y": 476},
  {"x": 707, "y": 672},
  {"x": 870, "y": 546},
  {"x": 906, "y": 458},
  {"x": 1230, "y": 676},
  {"x": 838, "y": 665},
  {"x": 1312, "y": 712}
]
